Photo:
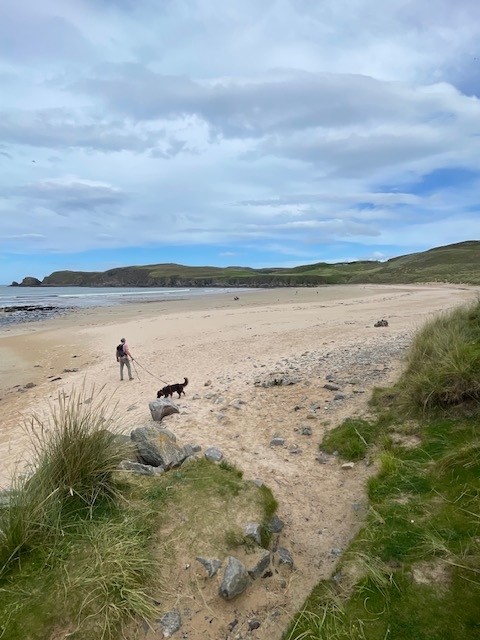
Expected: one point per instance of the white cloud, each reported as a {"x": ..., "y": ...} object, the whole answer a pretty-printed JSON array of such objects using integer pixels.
[{"x": 286, "y": 124}]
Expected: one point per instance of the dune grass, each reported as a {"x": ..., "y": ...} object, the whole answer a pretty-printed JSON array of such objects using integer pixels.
[
  {"x": 413, "y": 571},
  {"x": 86, "y": 550}
]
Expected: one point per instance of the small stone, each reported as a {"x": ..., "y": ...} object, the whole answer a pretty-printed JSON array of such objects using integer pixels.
[
  {"x": 339, "y": 396},
  {"x": 285, "y": 557},
  {"x": 231, "y": 626},
  {"x": 277, "y": 442},
  {"x": 235, "y": 579},
  {"x": 212, "y": 565},
  {"x": 258, "y": 483},
  {"x": 170, "y": 623},
  {"x": 253, "y": 530},
  {"x": 331, "y": 387},
  {"x": 207, "y": 383},
  {"x": 348, "y": 465},
  {"x": 276, "y": 524},
  {"x": 258, "y": 563},
  {"x": 253, "y": 624},
  {"x": 30, "y": 385},
  {"x": 306, "y": 431},
  {"x": 213, "y": 454},
  {"x": 322, "y": 458}
]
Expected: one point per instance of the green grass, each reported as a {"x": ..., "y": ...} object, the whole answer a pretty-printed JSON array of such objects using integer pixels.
[
  {"x": 351, "y": 439},
  {"x": 413, "y": 571}
]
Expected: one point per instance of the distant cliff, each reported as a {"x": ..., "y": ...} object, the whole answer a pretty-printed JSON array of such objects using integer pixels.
[{"x": 455, "y": 263}]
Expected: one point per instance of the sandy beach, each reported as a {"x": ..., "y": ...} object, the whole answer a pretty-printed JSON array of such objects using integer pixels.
[{"x": 226, "y": 348}]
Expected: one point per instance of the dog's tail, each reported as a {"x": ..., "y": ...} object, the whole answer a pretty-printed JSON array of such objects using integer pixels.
[{"x": 185, "y": 382}]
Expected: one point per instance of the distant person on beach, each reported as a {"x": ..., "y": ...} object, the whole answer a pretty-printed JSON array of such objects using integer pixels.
[{"x": 123, "y": 357}]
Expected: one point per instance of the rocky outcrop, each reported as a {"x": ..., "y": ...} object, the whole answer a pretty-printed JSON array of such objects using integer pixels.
[{"x": 29, "y": 281}]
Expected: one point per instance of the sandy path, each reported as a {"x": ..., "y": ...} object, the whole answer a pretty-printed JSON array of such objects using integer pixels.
[{"x": 224, "y": 346}]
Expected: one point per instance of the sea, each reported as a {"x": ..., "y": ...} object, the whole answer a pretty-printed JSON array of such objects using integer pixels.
[{"x": 65, "y": 299}]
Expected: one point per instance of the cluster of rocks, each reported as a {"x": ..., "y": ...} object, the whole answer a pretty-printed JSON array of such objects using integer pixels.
[
  {"x": 29, "y": 313},
  {"x": 381, "y": 323},
  {"x": 234, "y": 576},
  {"x": 155, "y": 450}
]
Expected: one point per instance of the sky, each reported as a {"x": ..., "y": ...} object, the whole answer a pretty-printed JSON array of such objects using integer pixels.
[{"x": 257, "y": 133}]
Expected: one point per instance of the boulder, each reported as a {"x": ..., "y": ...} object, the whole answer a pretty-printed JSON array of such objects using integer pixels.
[
  {"x": 235, "y": 579},
  {"x": 161, "y": 408},
  {"x": 157, "y": 447}
]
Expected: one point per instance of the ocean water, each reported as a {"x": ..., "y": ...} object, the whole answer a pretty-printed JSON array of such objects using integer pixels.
[{"x": 66, "y": 299}]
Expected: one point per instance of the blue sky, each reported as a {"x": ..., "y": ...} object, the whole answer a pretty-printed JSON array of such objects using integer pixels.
[{"x": 271, "y": 133}]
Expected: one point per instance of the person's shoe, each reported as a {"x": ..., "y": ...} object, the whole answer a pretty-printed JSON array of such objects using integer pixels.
[{"x": 130, "y": 378}]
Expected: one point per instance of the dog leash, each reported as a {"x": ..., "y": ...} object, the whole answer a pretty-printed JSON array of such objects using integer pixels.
[{"x": 149, "y": 372}]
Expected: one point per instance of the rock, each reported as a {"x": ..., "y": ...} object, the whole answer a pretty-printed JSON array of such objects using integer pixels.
[
  {"x": 331, "y": 387},
  {"x": 30, "y": 281},
  {"x": 231, "y": 625},
  {"x": 170, "y": 623},
  {"x": 306, "y": 431},
  {"x": 55, "y": 379},
  {"x": 258, "y": 483},
  {"x": 235, "y": 579},
  {"x": 339, "y": 396},
  {"x": 285, "y": 557},
  {"x": 276, "y": 524},
  {"x": 212, "y": 565},
  {"x": 161, "y": 408},
  {"x": 348, "y": 465},
  {"x": 30, "y": 385},
  {"x": 381, "y": 323},
  {"x": 207, "y": 383},
  {"x": 213, "y": 454},
  {"x": 196, "y": 448},
  {"x": 142, "y": 469},
  {"x": 253, "y": 530},
  {"x": 276, "y": 379},
  {"x": 258, "y": 563},
  {"x": 322, "y": 458},
  {"x": 74, "y": 370},
  {"x": 253, "y": 624},
  {"x": 157, "y": 448},
  {"x": 277, "y": 442}
]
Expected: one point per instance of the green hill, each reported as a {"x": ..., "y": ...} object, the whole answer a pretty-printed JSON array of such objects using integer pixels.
[{"x": 455, "y": 263}]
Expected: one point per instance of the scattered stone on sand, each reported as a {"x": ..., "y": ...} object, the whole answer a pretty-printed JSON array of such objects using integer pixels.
[
  {"x": 253, "y": 530},
  {"x": 170, "y": 623},
  {"x": 258, "y": 562},
  {"x": 161, "y": 408},
  {"x": 284, "y": 557},
  {"x": 212, "y": 565},
  {"x": 381, "y": 323},
  {"x": 277, "y": 442},
  {"x": 306, "y": 431},
  {"x": 348, "y": 465},
  {"x": 235, "y": 579},
  {"x": 30, "y": 385},
  {"x": 276, "y": 524},
  {"x": 253, "y": 624},
  {"x": 331, "y": 387}
]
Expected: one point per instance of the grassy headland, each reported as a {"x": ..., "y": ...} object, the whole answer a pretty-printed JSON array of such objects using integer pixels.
[
  {"x": 413, "y": 571},
  {"x": 455, "y": 263}
]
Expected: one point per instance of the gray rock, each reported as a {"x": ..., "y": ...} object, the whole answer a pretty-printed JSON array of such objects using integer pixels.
[
  {"x": 161, "y": 408},
  {"x": 339, "y": 396},
  {"x": 212, "y": 565},
  {"x": 196, "y": 448},
  {"x": 170, "y": 623},
  {"x": 253, "y": 624},
  {"x": 30, "y": 385},
  {"x": 142, "y": 469},
  {"x": 156, "y": 447},
  {"x": 277, "y": 442},
  {"x": 235, "y": 579},
  {"x": 258, "y": 483},
  {"x": 348, "y": 465},
  {"x": 258, "y": 563},
  {"x": 284, "y": 556},
  {"x": 331, "y": 387},
  {"x": 306, "y": 431},
  {"x": 253, "y": 530},
  {"x": 213, "y": 454},
  {"x": 276, "y": 524}
]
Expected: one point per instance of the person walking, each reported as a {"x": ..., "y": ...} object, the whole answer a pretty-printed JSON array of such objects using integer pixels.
[{"x": 123, "y": 357}]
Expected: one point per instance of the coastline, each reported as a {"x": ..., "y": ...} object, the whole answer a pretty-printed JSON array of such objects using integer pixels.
[{"x": 226, "y": 348}]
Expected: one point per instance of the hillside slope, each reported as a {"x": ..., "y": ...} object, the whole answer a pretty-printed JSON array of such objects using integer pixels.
[{"x": 455, "y": 263}]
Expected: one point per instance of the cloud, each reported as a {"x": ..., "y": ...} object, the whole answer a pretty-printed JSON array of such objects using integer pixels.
[{"x": 281, "y": 128}]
